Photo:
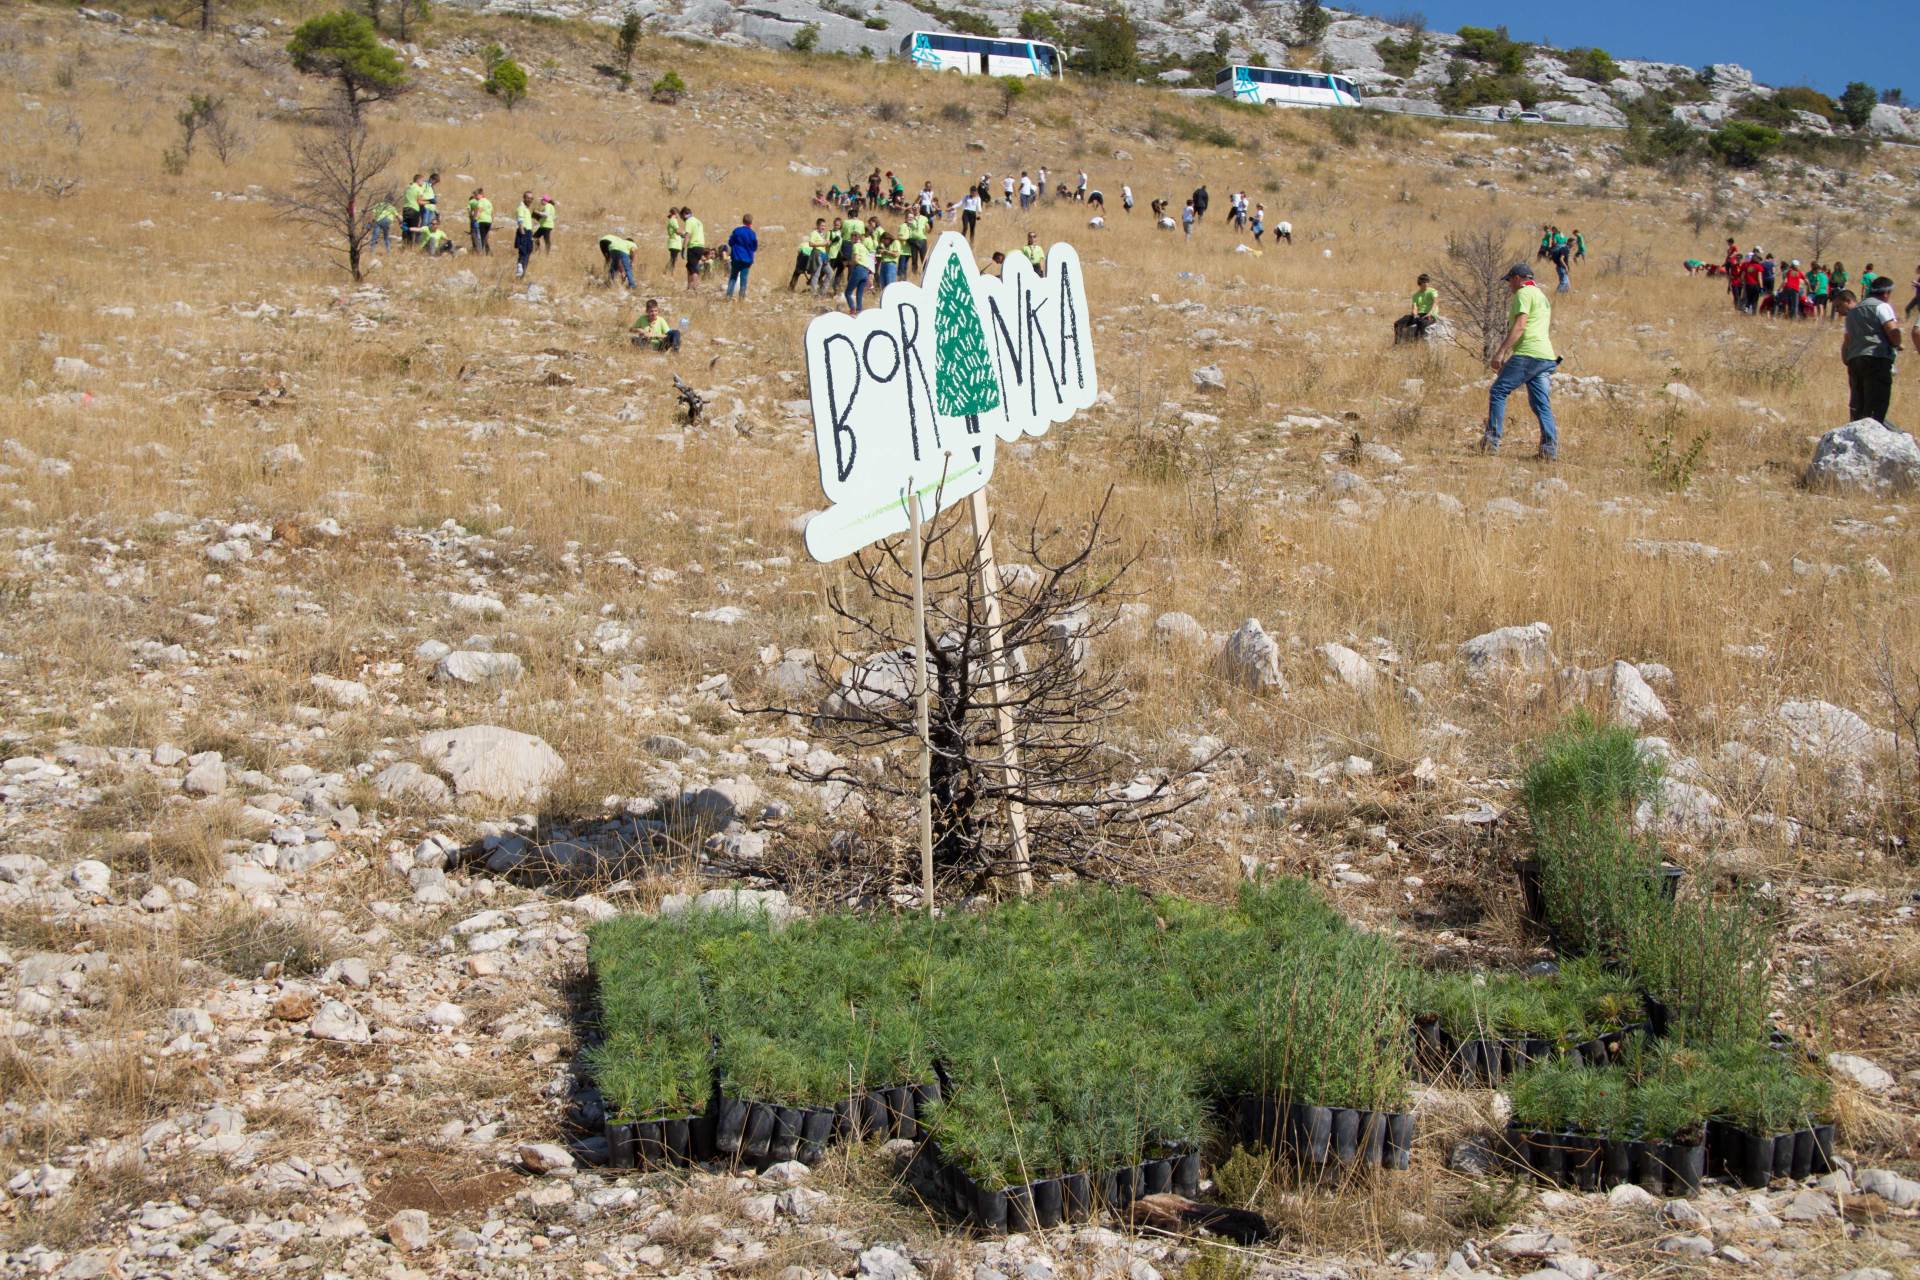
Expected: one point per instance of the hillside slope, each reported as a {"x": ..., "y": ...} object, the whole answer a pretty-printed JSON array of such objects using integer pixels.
[{"x": 270, "y": 979}]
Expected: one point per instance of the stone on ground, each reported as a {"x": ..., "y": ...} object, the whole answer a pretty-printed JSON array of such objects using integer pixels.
[
  {"x": 493, "y": 763},
  {"x": 1865, "y": 457}
]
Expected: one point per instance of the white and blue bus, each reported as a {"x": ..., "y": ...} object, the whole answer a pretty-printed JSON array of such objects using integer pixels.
[
  {"x": 982, "y": 55},
  {"x": 1281, "y": 88}
]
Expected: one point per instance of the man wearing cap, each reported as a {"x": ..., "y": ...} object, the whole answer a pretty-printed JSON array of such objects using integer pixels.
[
  {"x": 1526, "y": 359},
  {"x": 1869, "y": 342}
]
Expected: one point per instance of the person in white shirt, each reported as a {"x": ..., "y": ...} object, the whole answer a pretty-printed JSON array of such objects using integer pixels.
[
  {"x": 1283, "y": 231},
  {"x": 1080, "y": 192},
  {"x": 970, "y": 214},
  {"x": 1126, "y": 197},
  {"x": 1043, "y": 178},
  {"x": 1006, "y": 185},
  {"x": 1027, "y": 190}
]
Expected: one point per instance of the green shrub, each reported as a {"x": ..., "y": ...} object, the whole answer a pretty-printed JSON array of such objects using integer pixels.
[
  {"x": 1467, "y": 88},
  {"x": 1799, "y": 97},
  {"x": 506, "y": 81},
  {"x": 1495, "y": 48},
  {"x": 1401, "y": 57},
  {"x": 1582, "y": 1000},
  {"x": 1310, "y": 22},
  {"x": 807, "y": 38},
  {"x": 1743, "y": 144},
  {"x": 668, "y": 88},
  {"x": 1036, "y": 24},
  {"x": 875, "y": 23},
  {"x": 1161, "y": 124},
  {"x": 1670, "y": 1092},
  {"x": 1858, "y": 102},
  {"x": 1107, "y": 45},
  {"x": 1596, "y": 65}
]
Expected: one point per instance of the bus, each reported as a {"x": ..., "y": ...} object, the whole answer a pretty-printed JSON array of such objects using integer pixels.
[
  {"x": 982, "y": 55},
  {"x": 1285, "y": 88}
]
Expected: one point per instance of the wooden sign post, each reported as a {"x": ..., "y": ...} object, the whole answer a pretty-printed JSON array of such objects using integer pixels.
[{"x": 949, "y": 370}]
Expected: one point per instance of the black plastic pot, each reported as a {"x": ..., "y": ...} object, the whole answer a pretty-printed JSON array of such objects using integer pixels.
[
  {"x": 1156, "y": 1176},
  {"x": 1802, "y": 1163},
  {"x": 1020, "y": 1208},
  {"x": 1186, "y": 1174},
  {"x": 678, "y": 1136},
  {"x": 1076, "y": 1197},
  {"x": 1686, "y": 1165},
  {"x": 1116, "y": 1188},
  {"x": 1346, "y": 1134},
  {"x": 1315, "y": 1134},
  {"x": 1616, "y": 1163},
  {"x": 1547, "y": 1157},
  {"x": 1670, "y": 877},
  {"x": 990, "y": 1209},
  {"x": 873, "y": 1116},
  {"x": 1581, "y": 1160},
  {"x": 649, "y": 1147},
  {"x": 925, "y": 1096},
  {"x": 1645, "y": 1167},
  {"x": 1783, "y": 1155},
  {"x": 1373, "y": 1139},
  {"x": 620, "y": 1146},
  {"x": 1751, "y": 1160},
  {"x": 846, "y": 1120},
  {"x": 1047, "y": 1202},
  {"x": 731, "y": 1126},
  {"x": 1398, "y": 1152},
  {"x": 1823, "y": 1148},
  {"x": 816, "y": 1131},
  {"x": 898, "y": 1102},
  {"x": 759, "y": 1132},
  {"x": 1533, "y": 898},
  {"x": 785, "y": 1143}
]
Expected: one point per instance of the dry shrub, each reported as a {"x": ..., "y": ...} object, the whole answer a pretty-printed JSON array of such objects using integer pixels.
[{"x": 244, "y": 942}]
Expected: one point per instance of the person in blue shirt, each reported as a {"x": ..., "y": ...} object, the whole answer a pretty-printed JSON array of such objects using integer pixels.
[{"x": 741, "y": 246}]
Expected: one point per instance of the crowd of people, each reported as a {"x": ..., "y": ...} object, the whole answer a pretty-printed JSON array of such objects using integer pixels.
[{"x": 874, "y": 232}]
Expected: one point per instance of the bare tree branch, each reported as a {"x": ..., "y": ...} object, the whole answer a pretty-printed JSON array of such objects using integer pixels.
[{"x": 340, "y": 168}]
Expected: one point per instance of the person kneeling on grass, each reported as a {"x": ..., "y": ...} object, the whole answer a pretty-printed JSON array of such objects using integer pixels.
[
  {"x": 651, "y": 330},
  {"x": 435, "y": 242}
]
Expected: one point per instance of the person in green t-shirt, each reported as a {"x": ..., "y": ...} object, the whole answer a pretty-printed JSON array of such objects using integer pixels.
[
  {"x": 1413, "y": 326},
  {"x": 410, "y": 215},
  {"x": 616, "y": 249},
  {"x": 435, "y": 242},
  {"x": 384, "y": 216},
  {"x": 1525, "y": 358},
  {"x": 652, "y": 330}
]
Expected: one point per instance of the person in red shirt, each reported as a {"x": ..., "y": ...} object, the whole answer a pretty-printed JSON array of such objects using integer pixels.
[
  {"x": 1751, "y": 274},
  {"x": 1731, "y": 264},
  {"x": 1793, "y": 286}
]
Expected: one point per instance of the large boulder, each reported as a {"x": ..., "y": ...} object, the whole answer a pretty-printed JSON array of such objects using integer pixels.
[
  {"x": 1625, "y": 692},
  {"x": 1814, "y": 728},
  {"x": 1898, "y": 123},
  {"x": 492, "y": 763},
  {"x": 876, "y": 688},
  {"x": 1252, "y": 658},
  {"x": 1600, "y": 114},
  {"x": 1510, "y": 649},
  {"x": 1865, "y": 457}
]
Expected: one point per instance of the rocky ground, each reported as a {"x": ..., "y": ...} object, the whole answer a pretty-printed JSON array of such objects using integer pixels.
[{"x": 362, "y": 645}]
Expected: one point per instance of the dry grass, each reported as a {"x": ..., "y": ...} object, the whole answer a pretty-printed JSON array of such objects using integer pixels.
[{"x": 248, "y": 943}]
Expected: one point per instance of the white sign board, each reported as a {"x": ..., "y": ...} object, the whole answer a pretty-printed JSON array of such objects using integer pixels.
[{"x": 917, "y": 392}]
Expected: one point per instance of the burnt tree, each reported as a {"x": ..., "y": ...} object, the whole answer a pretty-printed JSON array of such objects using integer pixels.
[{"x": 1091, "y": 807}]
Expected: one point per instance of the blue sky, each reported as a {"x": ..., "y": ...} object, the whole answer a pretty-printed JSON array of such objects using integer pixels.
[{"x": 1780, "y": 41}]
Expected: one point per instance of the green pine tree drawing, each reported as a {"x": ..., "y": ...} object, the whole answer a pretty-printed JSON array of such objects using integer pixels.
[{"x": 963, "y": 381}]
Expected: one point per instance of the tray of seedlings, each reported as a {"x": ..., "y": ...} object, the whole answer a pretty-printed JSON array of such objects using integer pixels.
[
  {"x": 1770, "y": 1118},
  {"x": 1479, "y": 1028},
  {"x": 1089, "y": 1040},
  {"x": 1642, "y": 1122}
]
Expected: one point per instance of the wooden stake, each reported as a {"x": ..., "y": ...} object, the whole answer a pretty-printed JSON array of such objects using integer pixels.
[
  {"x": 997, "y": 676},
  {"x": 921, "y": 699}
]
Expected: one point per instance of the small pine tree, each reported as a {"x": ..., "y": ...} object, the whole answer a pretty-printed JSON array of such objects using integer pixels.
[
  {"x": 1857, "y": 104},
  {"x": 668, "y": 88},
  {"x": 963, "y": 381},
  {"x": 507, "y": 81},
  {"x": 627, "y": 41}
]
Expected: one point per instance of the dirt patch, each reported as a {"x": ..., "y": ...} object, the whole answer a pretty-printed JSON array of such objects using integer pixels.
[{"x": 442, "y": 1191}]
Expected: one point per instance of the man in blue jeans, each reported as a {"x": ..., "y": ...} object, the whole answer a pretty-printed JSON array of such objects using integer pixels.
[
  {"x": 1525, "y": 358},
  {"x": 741, "y": 246}
]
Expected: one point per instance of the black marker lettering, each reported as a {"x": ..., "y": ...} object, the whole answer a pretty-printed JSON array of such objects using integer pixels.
[{"x": 837, "y": 414}]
